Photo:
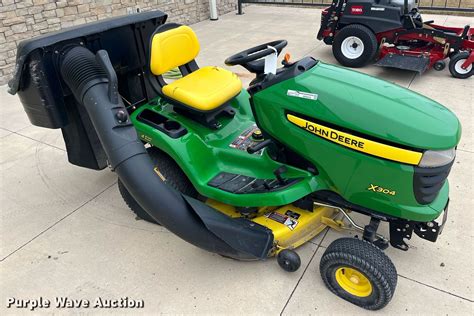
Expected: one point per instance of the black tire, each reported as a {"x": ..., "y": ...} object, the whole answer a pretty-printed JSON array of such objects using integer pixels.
[
  {"x": 289, "y": 260},
  {"x": 173, "y": 176},
  {"x": 439, "y": 65},
  {"x": 364, "y": 35},
  {"x": 328, "y": 40},
  {"x": 455, "y": 59},
  {"x": 346, "y": 258}
]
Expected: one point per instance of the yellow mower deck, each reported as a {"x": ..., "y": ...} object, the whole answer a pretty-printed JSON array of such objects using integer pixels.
[{"x": 291, "y": 225}]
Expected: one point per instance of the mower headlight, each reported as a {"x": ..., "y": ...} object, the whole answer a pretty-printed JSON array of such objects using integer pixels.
[{"x": 437, "y": 158}]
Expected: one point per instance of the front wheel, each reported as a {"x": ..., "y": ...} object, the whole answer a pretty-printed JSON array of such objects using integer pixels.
[
  {"x": 359, "y": 272},
  {"x": 354, "y": 46},
  {"x": 455, "y": 66}
]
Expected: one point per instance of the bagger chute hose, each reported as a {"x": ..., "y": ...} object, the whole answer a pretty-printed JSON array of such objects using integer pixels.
[{"x": 80, "y": 70}]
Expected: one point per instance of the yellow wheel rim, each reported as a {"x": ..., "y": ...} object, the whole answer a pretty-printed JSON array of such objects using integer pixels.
[{"x": 353, "y": 282}]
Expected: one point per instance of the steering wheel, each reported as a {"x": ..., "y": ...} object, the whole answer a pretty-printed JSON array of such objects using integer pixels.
[{"x": 251, "y": 59}]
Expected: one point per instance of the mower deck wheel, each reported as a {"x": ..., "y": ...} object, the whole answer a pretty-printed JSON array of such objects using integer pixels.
[
  {"x": 455, "y": 66},
  {"x": 359, "y": 272},
  {"x": 289, "y": 260},
  {"x": 169, "y": 172},
  {"x": 354, "y": 46},
  {"x": 439, "y": 65},
  {"x": 328, "y": 40}
]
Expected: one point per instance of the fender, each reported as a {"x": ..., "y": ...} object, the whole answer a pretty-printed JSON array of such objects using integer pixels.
[{"x": 361, "y": 12}]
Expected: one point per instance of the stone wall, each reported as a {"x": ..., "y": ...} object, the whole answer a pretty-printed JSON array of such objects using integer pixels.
[{"x": 22, "y": 19}]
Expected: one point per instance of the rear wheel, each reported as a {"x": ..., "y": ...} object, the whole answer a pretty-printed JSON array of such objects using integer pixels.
[
  {"x": 359, "y": 272},
  {"x": 354, "y": 46},
  {"x": 169, "y": 172},
  {"x": 455, "y": 66}
]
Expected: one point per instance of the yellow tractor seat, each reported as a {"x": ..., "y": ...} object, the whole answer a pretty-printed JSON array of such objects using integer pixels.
[
  {"x": 202, "y": 93},
  {"x": 204, "y": 89}
]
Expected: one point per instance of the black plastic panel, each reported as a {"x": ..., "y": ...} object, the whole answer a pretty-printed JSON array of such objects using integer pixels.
[
  {"x": 284, "y": 73},
  {"x": 385, "y": 19},
  {"x": 171, "y": 128},
  {"x": 47, "y": 100},
  {"x": 427, "y": 182},
  {"x": 240, "y": 184}
]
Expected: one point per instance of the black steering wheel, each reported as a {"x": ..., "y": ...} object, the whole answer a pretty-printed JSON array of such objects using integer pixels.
[{"x": 251, "y": 59}]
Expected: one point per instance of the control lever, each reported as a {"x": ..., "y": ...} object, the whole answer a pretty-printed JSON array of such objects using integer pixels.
[
  {"x": 278, "y": 172},
  {"x": 286, "y": 60},
  {"x": 465, "y": 31},
  {"x": 253, "y": 149},
  {"x": 102, "y": 57}
]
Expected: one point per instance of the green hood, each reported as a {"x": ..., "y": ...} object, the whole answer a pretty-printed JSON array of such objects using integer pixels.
[{"x": 370, "y": 106}]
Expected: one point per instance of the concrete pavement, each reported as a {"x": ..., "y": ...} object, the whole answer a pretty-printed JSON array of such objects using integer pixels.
[{"x": 65, "y": 230}]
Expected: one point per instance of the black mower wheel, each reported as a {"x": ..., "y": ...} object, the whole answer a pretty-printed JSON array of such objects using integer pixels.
[
  {"x": 170, "y": 171},
  {"x": 354, "y": 46},
  {"x": 439, "y": 65},
  {"x": 289, "y": 260},
  {"x": 328, "y": 40},
  {"x": 455, "y": 66},
  {"x": 359, "y": 272}
]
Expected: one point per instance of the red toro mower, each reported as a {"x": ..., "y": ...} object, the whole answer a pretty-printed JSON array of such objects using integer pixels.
[{"x": 394, "y": 33}]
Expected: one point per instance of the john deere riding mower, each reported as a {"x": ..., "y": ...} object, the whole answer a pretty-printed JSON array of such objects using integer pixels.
[{"x": 247, "y": 173}]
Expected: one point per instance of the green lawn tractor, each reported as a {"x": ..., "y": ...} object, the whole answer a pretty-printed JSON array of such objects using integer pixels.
[{"x": 247, "y": 173}]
